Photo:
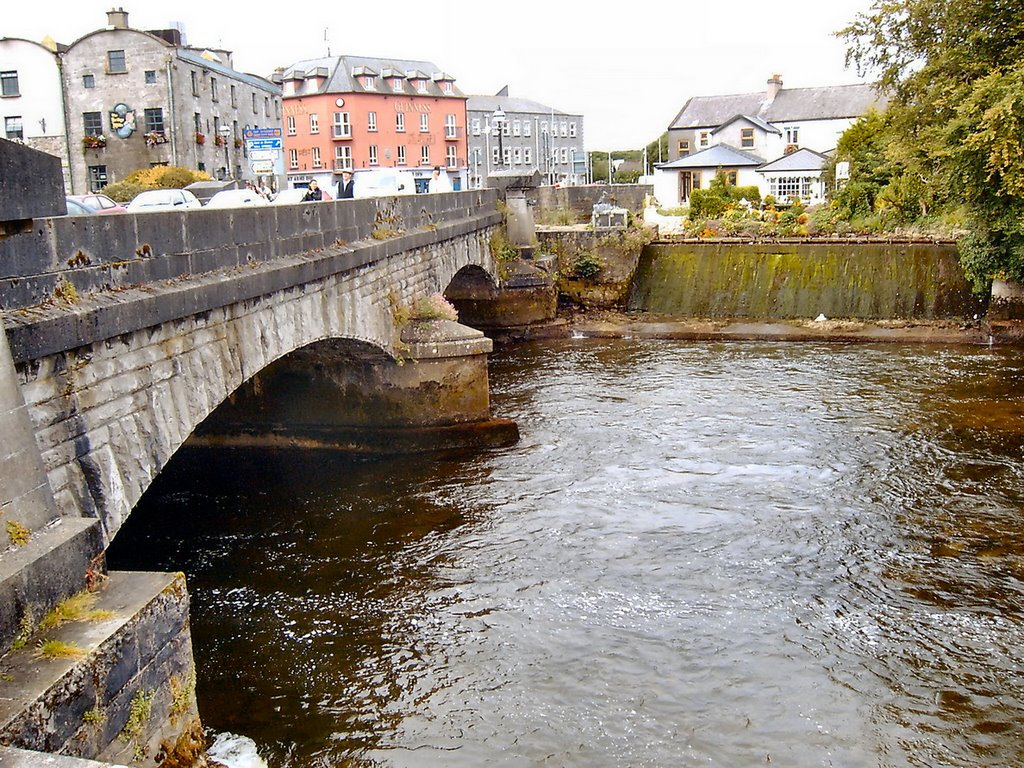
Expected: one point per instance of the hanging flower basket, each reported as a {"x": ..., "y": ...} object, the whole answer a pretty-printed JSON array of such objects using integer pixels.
[
  {"x": 200, "y": 138},
  {"x": 152, "y": 139},
  {"x": 94, "y": 142},
  {"x": 238, "y": 143},
  {"x": 218, "y": 140}
]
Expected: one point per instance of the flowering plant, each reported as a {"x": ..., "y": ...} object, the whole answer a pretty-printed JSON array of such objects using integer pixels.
[
  {"x": 200, "y": 138},
  {"x": 94, "y": 142},
  {"x": 218, "y": 140},
  {"x": 154, "y": 138},
  {"x": 434, "y": 307}
]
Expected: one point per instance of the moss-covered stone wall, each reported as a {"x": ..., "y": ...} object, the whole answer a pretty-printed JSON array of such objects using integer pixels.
[{"x": 867, "y": 281}]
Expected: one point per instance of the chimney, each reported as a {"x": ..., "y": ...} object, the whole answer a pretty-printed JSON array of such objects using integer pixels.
[
  {"x": 117, "y": 18},
  {"x": 774, "y": 86}
]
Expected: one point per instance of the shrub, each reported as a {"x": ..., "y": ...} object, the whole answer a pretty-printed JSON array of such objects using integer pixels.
[{"x": 587, "y": 266}]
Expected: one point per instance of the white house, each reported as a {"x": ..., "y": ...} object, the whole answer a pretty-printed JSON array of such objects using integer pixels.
[
  {"x": 770, "y": 126},
  {"x": 31, "y": 105}
]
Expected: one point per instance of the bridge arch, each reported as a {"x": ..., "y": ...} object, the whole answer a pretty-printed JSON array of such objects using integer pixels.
[{"x": 110, "y": 414}]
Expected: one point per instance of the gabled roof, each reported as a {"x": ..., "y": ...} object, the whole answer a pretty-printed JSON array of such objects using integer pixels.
[
  {"x": 345, "y": 71},
  {"x": 510, "y": 105},
  {"x": 718, "y": 156},
  {"x": 802, "y": 160},
  {"x": 755, "y": 121},
  {"x": 790, "y": 104}
]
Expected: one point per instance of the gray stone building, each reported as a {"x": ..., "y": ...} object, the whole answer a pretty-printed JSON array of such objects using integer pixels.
[
  {"x": 136, "y": 99},
  {"x": 512, "y": 134}
]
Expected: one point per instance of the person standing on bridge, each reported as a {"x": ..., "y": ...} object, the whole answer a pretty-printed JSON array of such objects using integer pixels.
[
  {"x": 313, "y": 192},
  {"x": 347, "y": 186}
]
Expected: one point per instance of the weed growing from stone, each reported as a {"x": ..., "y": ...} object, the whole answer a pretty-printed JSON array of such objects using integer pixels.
[
  {"x": 58, "y": 649},
  {"x": 75, "y": 608},
  {"x": 94, "y": 716},
  {"x": 138, "y": 715},
  {"x": 182, "y": 694},
  {"x": 25, "y": 629},
  {"x": 17, "y": 533}
]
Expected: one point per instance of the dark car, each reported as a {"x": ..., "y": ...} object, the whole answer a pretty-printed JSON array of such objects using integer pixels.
[{"x": 98, "y": 203}]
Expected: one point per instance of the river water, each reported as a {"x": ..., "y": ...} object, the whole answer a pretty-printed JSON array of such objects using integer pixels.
[{"x": 731, "y": 554}]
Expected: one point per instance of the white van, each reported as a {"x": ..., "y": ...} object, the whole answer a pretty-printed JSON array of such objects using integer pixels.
[{"x": 383, "y": 182}]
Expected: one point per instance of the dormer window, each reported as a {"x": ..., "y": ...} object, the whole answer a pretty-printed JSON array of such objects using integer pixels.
[
  {"x": 421, "y": 86},
  {"x": 747, "y": 138},
  {"x": 396, "y": 84},
  {"x": 448, "y": 87},
  {"x": 369, "y": 83}
]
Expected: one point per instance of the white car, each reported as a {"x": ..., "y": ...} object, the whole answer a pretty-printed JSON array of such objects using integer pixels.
[
  {"x": 384, "y": 182},
  {"x": 236, "y": 198},
  {"x": 163, "y": 200}
]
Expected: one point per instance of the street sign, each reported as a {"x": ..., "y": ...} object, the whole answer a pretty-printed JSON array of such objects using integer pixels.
[
  {"x": 263, "y": 154},
  {"x": 262, "y": 133},
  {"x": 262, "y": 166},
  {"x": 255, "y": 145}
]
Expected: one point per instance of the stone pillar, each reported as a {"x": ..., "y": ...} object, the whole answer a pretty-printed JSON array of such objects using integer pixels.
[{"x": 341, "y": 395}]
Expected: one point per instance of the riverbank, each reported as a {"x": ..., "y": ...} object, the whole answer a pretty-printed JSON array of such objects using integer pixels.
[{"x": 640, "y": 325}]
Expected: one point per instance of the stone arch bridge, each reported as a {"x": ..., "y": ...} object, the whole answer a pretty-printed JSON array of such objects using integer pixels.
[{"x": 123, "y": 333}]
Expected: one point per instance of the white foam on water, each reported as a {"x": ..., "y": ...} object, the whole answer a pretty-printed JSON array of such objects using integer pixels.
[{"x": 234, "y": 751}]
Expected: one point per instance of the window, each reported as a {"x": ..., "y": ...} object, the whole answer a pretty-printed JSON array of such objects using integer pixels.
[
  {"x": 154, "y": 120},
  {"x": 314, "y": 123},
  {"x": 234, "y": 97},
  {"x": 370, "y": 83},
  {"x": 793, "y": 136},
  {"x": 197, "y": 122},
  {"x": 343, "y": 157},
  {"x": 449, "y": 127},
  {"x": 342, "y": 126},
  {"x": 449, "y": 87},
  {"x": 705, "y": 138},
  {"x": 565, "y": 128},
  {"x": 400, "y": 122},
  {"x": 13, "y": 128},
  {"x": 371, "y": 122},
  {"x": 116, "y": 63},
  {"x": 88, "y": 81},
  {"x": 266, "y": 106},
  {"x": 528, "y": 155},
  {"x": 788, "y": 187},
  {"x": 421, "y": 86},
  {"x": 506, "y": 158},
  {"x": 293, "y": 159},
  {"x": 277, "y": 109},
  {"x": 396, "y": 85},
  {"x": 517, "y": 128},
  {"x": 9, "y": 83},
  {"x": 451, "y": 160},
  {"x": 572, "y": 130},
  {"x": 425, "y": 154},
  {"x": 746, "y": 138},
  {"x": 476, "y": 126},
  {"x": 505, "y": 128},
  {"x": 517, "y": 156},
  {"x": 373, "y": 154},
  {"x": 684, "y": 147},
  {"x": 195, "y": 83},
  {"x": 316, "y": 157},
  {"x": 291, "y": 125},
  {"x": 424, "y": 122},
  {"x": 526, "y": 128},
  {"x": 401, "y": 155},
  {"x": 213, "y": 89},
  {"x": 92, "y": 122},
  {"x": 731, "y": 177},
  {"x": 565, "y": 155},
  {"x": 544, "y": 126},
  {"x": 255, "y": 109},
  {"x": 495, "y": 157},
  {"x": 97, "y": 177},
  {"x": 150, "y": 76}
]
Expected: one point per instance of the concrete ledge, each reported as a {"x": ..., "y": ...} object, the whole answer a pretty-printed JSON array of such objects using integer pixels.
[
  {"x": 140, "y": 650},
  {"x": 37, "y": 576},
  {"x": 11, "y": 757}
]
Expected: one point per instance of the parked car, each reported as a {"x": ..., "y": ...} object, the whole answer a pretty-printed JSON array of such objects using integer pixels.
[
  {"x": 98, "y": 203},
  {"x": 291, "y": 196},
  {"x": 236, "y": 198},
  {"x": 76, "y": 208},
  {"x": 383, "y": 182},
  {"x": 163, "y": 200}
]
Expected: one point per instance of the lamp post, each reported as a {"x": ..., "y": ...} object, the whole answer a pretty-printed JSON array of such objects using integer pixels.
[
  {"x": 498, "y": 120},
  {"x": 225, "y": 131}
]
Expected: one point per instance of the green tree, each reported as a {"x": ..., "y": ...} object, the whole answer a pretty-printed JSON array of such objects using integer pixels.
[{"x": 953, "y": 71}]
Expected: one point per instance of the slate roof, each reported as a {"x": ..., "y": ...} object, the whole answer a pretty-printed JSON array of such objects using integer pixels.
[
  {"x": 341, "y": 79},
  {"x": 718, "y": 156},
  {"x": 768, "y": 127},
  {"x": 790, "y": 104},
  {"x": 802, "y": 160},
  {"x": 509, "y": 104},
  {"x": 194, "y": 56}
]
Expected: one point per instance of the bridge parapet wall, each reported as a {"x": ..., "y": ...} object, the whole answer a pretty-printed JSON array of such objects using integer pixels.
[{"x": 85, "y": 254}]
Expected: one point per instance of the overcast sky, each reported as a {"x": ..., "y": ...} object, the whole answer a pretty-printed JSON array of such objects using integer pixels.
[{"x": 627, "y": 68}]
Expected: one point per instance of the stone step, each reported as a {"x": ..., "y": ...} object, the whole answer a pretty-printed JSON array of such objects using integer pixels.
[
  {"x": 24, "y": 758},
  {"x": 55, "y": 563},
  {"x": 130, "y": 691}
]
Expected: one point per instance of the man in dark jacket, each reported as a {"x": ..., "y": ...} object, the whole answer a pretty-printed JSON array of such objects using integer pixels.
[{"x": 347, "y": 186}]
